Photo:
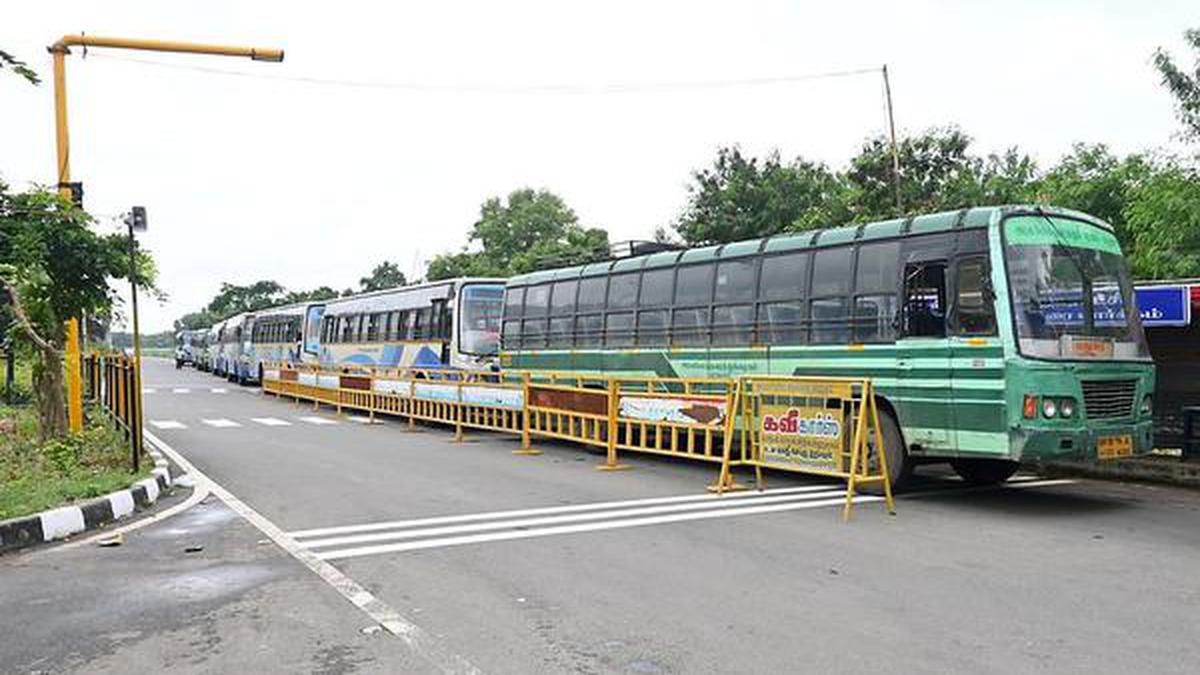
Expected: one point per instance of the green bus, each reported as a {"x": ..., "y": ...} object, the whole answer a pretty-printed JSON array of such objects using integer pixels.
[{"x": 993, "y": 335}]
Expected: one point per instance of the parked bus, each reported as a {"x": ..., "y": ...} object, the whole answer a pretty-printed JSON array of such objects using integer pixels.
[
  {"x": 232, "y": 337},
  {"x": 994, "y": 335},
  {"x": 281, "y": 335},
  {"x": 188, "y": 345},
  {"x": 445, "y": 324}
]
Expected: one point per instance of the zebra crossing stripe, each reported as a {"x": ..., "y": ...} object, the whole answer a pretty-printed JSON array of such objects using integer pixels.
[
  {"x": 146, "y": 390},
  {"x": 271, "y": 421},
  {"x": 220, "y": 423},
  {"x": 167, "y": 424},
  {"x": 317, "y": 420},
  {"x": 181, "y": 390},
  {"x": 218, "y": 390}
]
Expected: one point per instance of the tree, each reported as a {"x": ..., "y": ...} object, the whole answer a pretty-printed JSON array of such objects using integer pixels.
[
  {"x": 19, "y": 67},
  {"x": 54, "y": 268},
  {"x": 743, "y": 198},
  {"x": 1162, "y": 217},
  {"x": 385, "y": 275},
  {"x": 234, "y": 299},
  {"x": 315, "y": 295},
  {"x": 531, "y": 229},
  {"x": 1184, "y": 86}
]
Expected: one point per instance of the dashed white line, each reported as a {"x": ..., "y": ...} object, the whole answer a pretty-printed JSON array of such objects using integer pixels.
[
  {"x": 181, "y": 390},
  {"x": 167, "y": 424},
  {"x": 363, "y": 420},
  {"x": 317, "y": 420},
  {"x": 146, "y": 390},
  {"x": 219, "y": 390},
  {"x": 220, "y": 423},
  {"x": 271, "y": 421}
]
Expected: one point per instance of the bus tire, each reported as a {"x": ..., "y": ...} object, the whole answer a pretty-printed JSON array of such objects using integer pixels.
[
  {"x": 900, "y": 465},
  {"x": 984, "y": 471}
]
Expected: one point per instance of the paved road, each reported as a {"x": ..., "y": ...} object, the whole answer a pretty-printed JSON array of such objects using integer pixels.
[{"x": 541, "y": 564}]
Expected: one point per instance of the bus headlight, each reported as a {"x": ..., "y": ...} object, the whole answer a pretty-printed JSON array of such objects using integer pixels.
[
  {"x": 1147, "y": 404},
  {"x": 1049, "y": 408},
  {"x": 1066, "y": 407}
]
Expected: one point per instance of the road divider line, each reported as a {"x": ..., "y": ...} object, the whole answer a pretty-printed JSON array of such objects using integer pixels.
[
  {"x": 420, "y": 642},
  {"x": 181, "y": 390},
  {"x": 271, "y": 421},
  {"x": 340, "y": 554},
  {"x": 167, "y": 424},
  {"x": 547, "y": 510},
  {"x": 313, "y": 419},
  {"x": 221, "y": 423},
  {"x": 557, "y": 520}
]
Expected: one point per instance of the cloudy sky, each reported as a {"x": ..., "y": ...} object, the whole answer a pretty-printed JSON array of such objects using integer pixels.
[{"x": 257, "y": 170}]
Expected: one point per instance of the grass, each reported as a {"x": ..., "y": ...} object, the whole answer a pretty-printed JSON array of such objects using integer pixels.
[{"x": 35, "y": 476}]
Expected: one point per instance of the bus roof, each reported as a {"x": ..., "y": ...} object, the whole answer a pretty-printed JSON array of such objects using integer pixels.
[{"x": 968, "y": 218}]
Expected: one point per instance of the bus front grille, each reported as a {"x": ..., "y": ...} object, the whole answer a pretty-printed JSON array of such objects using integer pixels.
[{"x": 1108, "y": 399}]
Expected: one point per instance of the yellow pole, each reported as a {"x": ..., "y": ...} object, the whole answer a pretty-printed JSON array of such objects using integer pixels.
[
  {"x": 60, "y": 121},
  {"x": 74, "y": 386}
]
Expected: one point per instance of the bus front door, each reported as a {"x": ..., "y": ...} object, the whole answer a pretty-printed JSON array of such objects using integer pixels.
[{"x": 924, "y": 400}]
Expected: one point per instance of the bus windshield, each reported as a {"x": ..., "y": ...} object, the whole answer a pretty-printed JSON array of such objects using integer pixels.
[
  {"x": 479, "y": 319},
  {"x": 1070, "y": 290}
]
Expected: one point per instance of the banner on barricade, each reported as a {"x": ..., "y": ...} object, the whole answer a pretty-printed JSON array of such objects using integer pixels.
[
  {"x": 802, "y": 437},
  {"x": 704, "y": 411}
]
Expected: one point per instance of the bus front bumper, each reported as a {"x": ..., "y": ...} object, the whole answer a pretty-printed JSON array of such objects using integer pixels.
[{"x": 1087, "y": 441}]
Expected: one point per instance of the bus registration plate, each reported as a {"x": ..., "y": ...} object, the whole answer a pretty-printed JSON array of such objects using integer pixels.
[{"x": 1112, "y": 447}]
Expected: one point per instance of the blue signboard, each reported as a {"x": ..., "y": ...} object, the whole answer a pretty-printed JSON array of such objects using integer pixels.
[{"x": 1165, "y": 305}]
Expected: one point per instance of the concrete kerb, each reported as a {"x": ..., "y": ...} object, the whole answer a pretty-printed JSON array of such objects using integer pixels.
[
  {"x": 67, "y": 521},
  {"x": 1164, "y": 470}
]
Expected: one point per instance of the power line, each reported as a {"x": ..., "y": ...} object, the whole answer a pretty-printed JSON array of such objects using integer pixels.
[{"x": 560, "y": 89}]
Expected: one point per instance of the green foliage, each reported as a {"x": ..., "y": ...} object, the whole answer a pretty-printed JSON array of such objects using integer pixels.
[
  {"x": 531, "y": 229},
  {"x": 385, "y": 275},
  {"x": 743, "y": 198},
  {"x": 234, "y": 299},
  {"x": 315, "y": 295},
  {"x": 19, "y": 67},
  {"x": 37, "y": 475},
  {"x": 1163, "y": 217},
  {"x": 1183, "y": 85}
]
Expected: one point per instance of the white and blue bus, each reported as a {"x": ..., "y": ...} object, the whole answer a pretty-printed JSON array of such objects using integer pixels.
[
  {"x": 288, "y": 334},
  {"x": 233, "y": 334},
  {"x": 451, "y": 324}
]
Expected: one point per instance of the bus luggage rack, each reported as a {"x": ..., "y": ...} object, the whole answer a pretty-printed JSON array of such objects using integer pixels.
[
  {"x": 1108, "y": 399},
  {"x": 713, "y": 420}
]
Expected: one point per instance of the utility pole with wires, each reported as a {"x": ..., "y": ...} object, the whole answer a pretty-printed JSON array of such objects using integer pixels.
[{"x": 887, "y": 89}]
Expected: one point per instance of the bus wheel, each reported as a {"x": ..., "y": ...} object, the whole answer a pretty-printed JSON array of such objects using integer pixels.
[
  {"x": 984, "y": 471},
  {"x": 900, "y": 466}
]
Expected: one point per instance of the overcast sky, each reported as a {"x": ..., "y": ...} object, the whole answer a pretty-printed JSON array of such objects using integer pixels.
[{"x": 312, "y": 184}]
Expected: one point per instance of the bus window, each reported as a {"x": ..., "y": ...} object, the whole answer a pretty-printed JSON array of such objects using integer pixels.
[
  {"x": 347, "y": 328},
  {"x": 689, "y": 327},
  {"x": 537, "y": 298},
  {"x": 875, "y": 284},
  {"x": 735, "y": 280},
  {"x": 534, "y": 333},
  {"x": 591, "y": 294},
  {"x": 830, "y": 323},
  {"x": 480, "y": 306},
  {"x": 372, "y": 328},
  {"x": 657, "y": 287},
  {"x": 622, "y": 291},
  {"x": 831, "y": 272},
  {"x": 514, "y": 299},
  {"x": 733, "y": 325},
  {"x": 422, "y": 323},
  {"x": 925, "y": 299},
  {"x": 783, "y": 277},
  {"x": 693, "y": 285},
  {"x": 782, "y": 323},
  {"x": 560, "y": 332},
  {"x": 618, "y": 329},
  {"x": 512, "y": 334},
  {"x": 652, "y": 328},
  {"x": 589, "y": 330},
  {"x": 562, "y": 299},
  {"x": 973, "y": 309}
]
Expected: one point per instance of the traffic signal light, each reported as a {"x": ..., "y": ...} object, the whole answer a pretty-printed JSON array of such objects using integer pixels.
[{"x": 137, "y": 218}]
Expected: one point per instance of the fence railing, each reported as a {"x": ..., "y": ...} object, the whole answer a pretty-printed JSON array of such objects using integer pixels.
[
  {"x": 829, "y": 425},
  {"x": 110, "y": 383}
]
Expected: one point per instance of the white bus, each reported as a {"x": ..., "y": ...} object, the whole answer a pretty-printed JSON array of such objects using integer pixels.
[{"x": 452, "y": 324}]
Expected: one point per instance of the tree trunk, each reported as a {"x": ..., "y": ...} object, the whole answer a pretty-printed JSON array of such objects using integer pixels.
[{"x": 51, "y": 395}]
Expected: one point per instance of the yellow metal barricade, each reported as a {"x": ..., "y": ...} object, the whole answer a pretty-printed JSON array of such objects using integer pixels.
[{"x": 818, "y": 426}]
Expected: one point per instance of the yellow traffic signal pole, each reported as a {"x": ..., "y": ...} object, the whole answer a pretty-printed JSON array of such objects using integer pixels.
[{"x": 59, "y": 50}]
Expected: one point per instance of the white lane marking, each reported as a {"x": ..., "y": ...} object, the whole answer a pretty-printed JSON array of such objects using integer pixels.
[
  {"x": 167, "y": 424},
  {"x": 220, "y": 423},
  {"x": 363, "y": 420},
  {"x": 181, "y": 390},
  {"x": 317, "y": 420},
  {"x": 418, "y": 640},
  {"x": 558, "y": 520},
  {"x": 541, "y": 511},
  {"x": 146, "y": 390},
  {"x": 271, "y": 421},
  {"x": 219, "y": 390},
  {"x": 339, "y": 554}
]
